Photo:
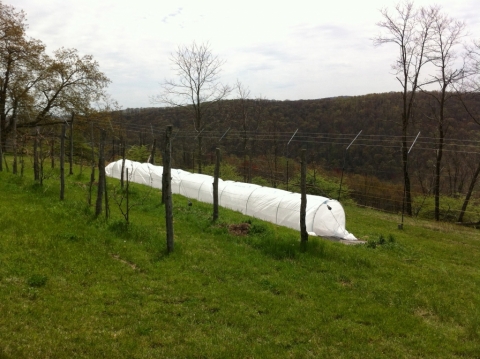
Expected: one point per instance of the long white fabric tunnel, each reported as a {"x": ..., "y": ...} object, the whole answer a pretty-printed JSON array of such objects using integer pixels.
[{"x": 324, "y": 217}]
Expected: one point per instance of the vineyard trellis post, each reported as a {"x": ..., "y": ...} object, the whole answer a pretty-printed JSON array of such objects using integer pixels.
[
  {"x": 215, "y": 184},
  {"x": 62, "y": 162},
  {"x": 303, "y": 203},
  {"x": 101, "y": 174},
  {"x": 71, "y": 145},
  {"x": 167, "y": 189}
]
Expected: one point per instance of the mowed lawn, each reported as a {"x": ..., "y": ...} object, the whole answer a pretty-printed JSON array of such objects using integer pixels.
[{"x": 76, "y": 286}]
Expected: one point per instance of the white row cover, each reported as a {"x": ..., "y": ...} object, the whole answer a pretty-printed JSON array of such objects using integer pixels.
[{"x": 324, "y": 216}]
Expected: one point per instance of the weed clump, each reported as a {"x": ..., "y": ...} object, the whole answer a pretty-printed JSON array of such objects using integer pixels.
[
  {"x": 372, "y": 243},
  {"x": 37, "y": 281},
  {"x": 256, "y": 227}
]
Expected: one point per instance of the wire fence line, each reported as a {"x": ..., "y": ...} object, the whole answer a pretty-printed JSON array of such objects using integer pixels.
[{"x": 275, "y": 162}]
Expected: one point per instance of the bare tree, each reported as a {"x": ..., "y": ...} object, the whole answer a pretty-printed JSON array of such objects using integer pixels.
[
  {"x": 243, "y": 93},
  {"x": 258, "y": 115},
  {"x": 196, "y": 86},
  {"x": 410, "y": 30},
  {"x": 449, "y": 70},
  {"x": 468, "y": 89}
]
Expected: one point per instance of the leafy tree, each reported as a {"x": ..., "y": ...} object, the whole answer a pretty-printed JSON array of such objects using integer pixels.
[{"x": 38, "y": 89}]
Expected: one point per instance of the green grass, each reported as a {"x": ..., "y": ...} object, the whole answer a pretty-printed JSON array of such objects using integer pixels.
[{"x": 75, "y": 286}]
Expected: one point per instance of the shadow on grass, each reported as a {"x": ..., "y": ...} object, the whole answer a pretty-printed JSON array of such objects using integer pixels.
[
  {"x": 131, "y": 231},
  {"x": 282, "y": 247}
]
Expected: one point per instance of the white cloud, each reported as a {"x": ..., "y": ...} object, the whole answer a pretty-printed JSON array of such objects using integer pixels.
[{"x": 301, "y": 49}]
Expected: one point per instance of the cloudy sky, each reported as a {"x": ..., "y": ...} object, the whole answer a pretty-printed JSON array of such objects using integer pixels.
[{"x": 292, "y": 50}]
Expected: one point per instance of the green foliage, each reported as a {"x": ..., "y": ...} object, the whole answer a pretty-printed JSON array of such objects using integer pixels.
[
  {"x": 373, "y": 243},
  {"x": 227, "y": 172},
  {"x": 261, "y": 181},
  {"x": 320, "y": 184},
  {"x": 424, "y": 207},
  {"x": 138, "y": 153}
]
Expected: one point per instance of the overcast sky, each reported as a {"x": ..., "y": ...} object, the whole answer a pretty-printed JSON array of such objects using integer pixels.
[{"x": 292, "y": 50}]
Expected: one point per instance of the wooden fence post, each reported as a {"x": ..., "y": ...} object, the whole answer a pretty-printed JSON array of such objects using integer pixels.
[
  {"x": 14, "y": 169},
  {"x": 92, "y": 174},
  {"x": 36, "y": 167},
  {"x": 122, "y": 150},
  {"x": 52, "y": 153},
  {"x": 101, "y": 175},
  {"x": 303, "y": 203},
  {"x": 1, "y": 150},
  {"x": 164, "y": 164},
  {"x": 71, "y": 145},
  {"x": 167, "y": 175},
  {"x": 127, "y": 216},
  {"x": 62, "y": 163},
  {"x": 215, "y": 184}
]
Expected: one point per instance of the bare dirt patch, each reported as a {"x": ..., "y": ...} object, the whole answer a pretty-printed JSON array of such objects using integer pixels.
[{"x": 241, "y": 229}]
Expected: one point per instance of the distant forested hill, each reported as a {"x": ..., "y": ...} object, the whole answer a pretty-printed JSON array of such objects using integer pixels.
[{"x": 325, "y": 128}]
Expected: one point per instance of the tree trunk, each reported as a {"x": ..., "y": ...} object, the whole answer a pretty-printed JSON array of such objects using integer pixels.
[
  {"x": 200, "y": 159},
  {"x": 152, "y": 153},
  {"x": 406, "y": 177},
  {"x": 469, "y": 194},
  {"x": 438, "y": 162}
]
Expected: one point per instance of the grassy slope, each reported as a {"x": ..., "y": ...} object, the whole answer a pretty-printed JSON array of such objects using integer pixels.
[{"x": 73, "y": 286}]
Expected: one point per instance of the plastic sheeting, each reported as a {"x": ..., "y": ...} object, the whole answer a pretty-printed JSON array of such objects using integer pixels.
[{"x": 324, "y": 216}]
